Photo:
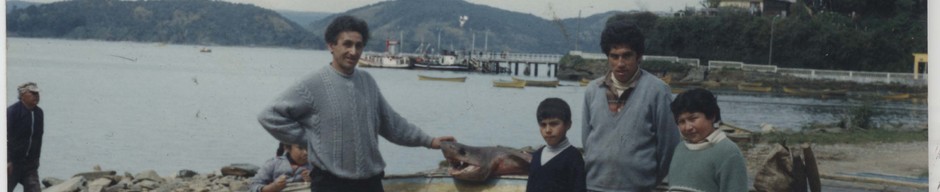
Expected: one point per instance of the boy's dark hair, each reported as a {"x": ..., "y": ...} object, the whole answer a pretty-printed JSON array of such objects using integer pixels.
[
  {"x": 696, "y": 100},
  {"x": 619, "y": 30},
  {"x": 554, "y": 108},
  {"x": 346, "y": 23}
]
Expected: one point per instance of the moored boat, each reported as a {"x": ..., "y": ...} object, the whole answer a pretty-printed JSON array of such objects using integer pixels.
[
  {"x": 744, "y": 87},
  {"x": 538, "y": 83},
  {"x": 585, "y": 81},
  {"x": 509, "y": 84},
  {"x": 897, "y": 96},
  {"x": 451, "y": 79}
]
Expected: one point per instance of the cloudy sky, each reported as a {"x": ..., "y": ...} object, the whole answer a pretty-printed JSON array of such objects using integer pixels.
[{"x": 541, "y": 8}]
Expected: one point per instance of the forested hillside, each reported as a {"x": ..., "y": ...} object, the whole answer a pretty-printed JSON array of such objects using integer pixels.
[{"x": 202, "y": 22}]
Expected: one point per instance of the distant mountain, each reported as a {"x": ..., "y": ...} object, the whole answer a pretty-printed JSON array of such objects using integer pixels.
[
  {"x": 501, "y": 30},
  {"x": 14, "y": 4},
  {"x": 203, "y": 22},
  {"x": 303, "y": 17}
]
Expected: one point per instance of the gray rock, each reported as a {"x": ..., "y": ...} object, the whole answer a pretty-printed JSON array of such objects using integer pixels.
[
  {"x": 94, "y": 175},
  {"x": 148, "y": 184},
  {"x": 147, "y": 175},
  {"x": 51, "y": 181},
  {"x": 240, "y": 169},
  {"x": 186, "y": 173},
  {"x": 99, "y": 184},
  {"x": 120, "y": 186},
  {"x": 238, "y": 186},
  {"x": 73, "y": 184}
]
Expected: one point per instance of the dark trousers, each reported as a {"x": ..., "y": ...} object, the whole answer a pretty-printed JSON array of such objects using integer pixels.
[
  {"x": 324, "y": 181},
  {"x": 28, "y": 177}
]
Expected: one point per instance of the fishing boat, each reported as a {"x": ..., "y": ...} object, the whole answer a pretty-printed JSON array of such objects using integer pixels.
[
  {"x": 793, "y": 91},
  {"x": 451, "y": 79},
  {"x": 509, "y": 84},
  {"x": 897, "y": 96},
  {"x": 389, "y": 59},
  {"x": 744, "y": 87},
  {"x": 710, "y": 84},
  {"x": 538, "y": 83},
  {"x": 585, "y": 81},
  {"x": 446, "y": 61},
  {"x": 205, "y": 50}
]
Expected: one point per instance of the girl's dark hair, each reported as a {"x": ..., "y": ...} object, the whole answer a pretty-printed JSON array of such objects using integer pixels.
[
  {"x": 554, "y": 108},
  {"x": 346, "y": 23},
  {"x": 621, "y": 31},
  {"x": 280, "y": 149},
  {"x": 696, "y": 100}
]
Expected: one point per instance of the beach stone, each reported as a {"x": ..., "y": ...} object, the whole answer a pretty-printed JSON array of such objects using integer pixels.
[
  {"x": 238, "y": 186},
  {"x": 51, "y": 181},
  {"x": 99, "y": 184},
  {"x": 147, "y": 175},
  {"x": 186, "y": 173},
  {"x": 73, "y": 184},
  {"x": 95, "y": 175},
  {"x": 148, "y": 184},
  {"x": 240, "y": 169}
]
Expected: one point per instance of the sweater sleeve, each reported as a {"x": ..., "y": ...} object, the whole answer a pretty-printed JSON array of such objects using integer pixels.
[
  {"x": 667, "y": 132},
  {"x": 397, "y": 129},
  {"x": 733, "y": 173},
  {"x": 264, "y": 176},
  {"x": 283, "y": 119}
]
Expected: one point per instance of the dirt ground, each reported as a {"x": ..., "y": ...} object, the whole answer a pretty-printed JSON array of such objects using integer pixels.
[{"x": 899, "y": 159}]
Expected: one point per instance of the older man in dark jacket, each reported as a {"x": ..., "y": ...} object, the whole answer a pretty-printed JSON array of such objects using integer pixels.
[{"x": 24, "y": 139}]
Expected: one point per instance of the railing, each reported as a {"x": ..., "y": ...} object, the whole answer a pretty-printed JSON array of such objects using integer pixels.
[{"x": 838, "y": 75}]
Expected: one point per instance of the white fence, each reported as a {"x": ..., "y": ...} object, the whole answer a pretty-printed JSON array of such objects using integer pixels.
[{"x": 838, "y": 75}]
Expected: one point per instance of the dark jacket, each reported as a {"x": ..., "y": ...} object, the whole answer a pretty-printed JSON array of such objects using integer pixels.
[{"x": 24, "y": 140}]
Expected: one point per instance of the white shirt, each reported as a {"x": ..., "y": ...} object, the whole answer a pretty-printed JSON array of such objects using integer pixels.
[{"x": 550, "y": 152}]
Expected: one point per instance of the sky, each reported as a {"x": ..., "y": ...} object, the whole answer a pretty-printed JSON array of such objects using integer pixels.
[{"x": 541, "y": 8}]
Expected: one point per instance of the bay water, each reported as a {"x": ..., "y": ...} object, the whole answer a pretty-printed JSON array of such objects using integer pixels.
[{"x": 131, "y": 106}]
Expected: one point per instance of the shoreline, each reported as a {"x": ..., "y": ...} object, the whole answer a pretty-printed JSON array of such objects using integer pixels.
[{"x": 837, "y": 163}]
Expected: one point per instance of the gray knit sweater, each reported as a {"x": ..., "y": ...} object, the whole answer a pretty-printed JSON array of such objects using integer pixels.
[
  {"x": 629, "y": 150},
  {"x": 339, "y": 117}
]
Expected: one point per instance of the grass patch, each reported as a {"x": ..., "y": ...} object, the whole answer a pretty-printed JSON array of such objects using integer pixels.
[{"x": 849, "y": 137}]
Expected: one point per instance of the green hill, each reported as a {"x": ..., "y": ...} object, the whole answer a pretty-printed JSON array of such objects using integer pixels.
[
  {"x": 171, "y": 21},
  {"x": 423, "y": 20}
]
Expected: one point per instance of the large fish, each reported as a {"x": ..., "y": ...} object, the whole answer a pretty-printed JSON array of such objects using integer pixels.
[{"x": 480, "y": 163}]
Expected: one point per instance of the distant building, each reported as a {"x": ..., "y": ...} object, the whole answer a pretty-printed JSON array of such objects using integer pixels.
[{"x": 760, "y": 7}]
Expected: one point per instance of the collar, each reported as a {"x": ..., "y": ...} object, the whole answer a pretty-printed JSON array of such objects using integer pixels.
[
  {"x": 560, "y": 147},
  {"x": 340, "y": 73},
  {"x": 710, "y": 141},
  {"x": 611, "y": 81}
]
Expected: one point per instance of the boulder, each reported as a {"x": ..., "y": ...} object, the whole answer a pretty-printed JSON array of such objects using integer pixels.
[
  {"x": 186, "y": 173},
  {"x": 73, "y": 184},
  {"x": 148, "y": 184},
  {"x": 95, "y": 175},
  {"x": 147, "y": 175},
  {"x": 238, "y": 186},
  {"x": 240, "y": 169},
  {"x": 99, "y": 184},
  {"x": 51, "y": 181}
]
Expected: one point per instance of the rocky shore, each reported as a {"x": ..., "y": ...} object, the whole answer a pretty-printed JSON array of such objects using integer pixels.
[
  {"x": 234, "y": 177},
  {"x": 836, "y": 164}
]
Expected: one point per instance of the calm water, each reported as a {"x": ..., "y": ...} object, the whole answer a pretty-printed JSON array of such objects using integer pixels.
[{"x": 138, "y": 106}]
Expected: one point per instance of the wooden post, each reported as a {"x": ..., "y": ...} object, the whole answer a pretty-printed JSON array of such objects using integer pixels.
[
  {"x": 812, "y": 171},
  {"x": 517, "y": 69},
  {"x": 536, "y": 71}
]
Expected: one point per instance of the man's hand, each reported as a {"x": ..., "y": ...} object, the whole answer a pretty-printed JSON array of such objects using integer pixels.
[{"x": 436, "y": 143}]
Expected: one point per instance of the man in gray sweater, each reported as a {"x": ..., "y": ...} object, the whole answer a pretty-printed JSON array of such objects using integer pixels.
[
  {"x": 338, "y": 112},
  {"x": 628, "y": 129}
]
